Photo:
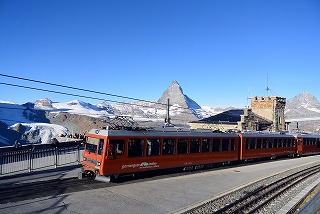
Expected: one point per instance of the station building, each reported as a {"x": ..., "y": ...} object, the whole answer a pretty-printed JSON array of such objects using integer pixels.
[{"x": 266, "y": 114}]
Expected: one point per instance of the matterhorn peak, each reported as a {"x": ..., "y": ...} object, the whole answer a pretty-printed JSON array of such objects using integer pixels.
[{"x": 176, "y": 96}]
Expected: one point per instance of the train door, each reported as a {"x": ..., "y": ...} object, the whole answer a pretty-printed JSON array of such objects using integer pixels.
[
  {"x": 115, "y": 157},
  {"x": 100, "y": 151},
  {"x": 299, "y": 146}
]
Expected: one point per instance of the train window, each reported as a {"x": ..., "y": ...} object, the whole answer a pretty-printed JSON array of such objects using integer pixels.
[
  {"x": 100, "y": 148},
  {"x": 291, "y": 142},
  {"x": 318, "y": 143},
  {"x": 313, "y": 141},
  {"x": 225, "y": 144},
  {"x": 205, "y": 145},
  {"x": 280, "y": 142},
  {"x": 116, "y": 147},
  {"x": 92, "y": 144},
  {"x": 264, "y": 143},
  {"x": 153, "y": 147},
  {"x": 259, "y": 143},
  {"x": 252, "y": 143},
  {"x": 247, "y": 144},
  {"x": 135, "y": 147},
  {"x": 275, "y": 143},
  {"x": 194, "y": 145},
  {"x": 91, "y": 147},
  {"x": 183, "y": 146},
  {"x": 233, "y": 145},
  {"x": 216, "y": 145},
  {"x": 270, "y": 143},
  {"x": 168, "y": 146}
]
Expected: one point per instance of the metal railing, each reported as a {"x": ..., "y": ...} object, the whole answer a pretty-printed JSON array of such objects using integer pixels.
[{"x": 34, "y": 157}]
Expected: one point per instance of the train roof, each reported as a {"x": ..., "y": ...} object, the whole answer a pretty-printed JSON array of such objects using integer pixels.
[
  {"x": 309, "y": 135},
  {"x": 266, "y": 134},
  {"x": 161, "y": 132}
]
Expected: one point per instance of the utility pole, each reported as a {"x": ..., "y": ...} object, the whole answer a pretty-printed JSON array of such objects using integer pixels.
[{"x": 168, "y": 119}]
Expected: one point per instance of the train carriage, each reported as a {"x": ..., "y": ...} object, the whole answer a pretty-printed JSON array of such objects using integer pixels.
[
  {"x": 255, "y": 145},
  {"x": 116, "y": 152},
  {"x": 307, "y": 144}
]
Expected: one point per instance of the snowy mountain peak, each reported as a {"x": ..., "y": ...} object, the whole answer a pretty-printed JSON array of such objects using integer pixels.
[
  {"x": 43, "y": 103},
  {"x": 176, "y": 96},
  {"x": 303, "y": 100}
]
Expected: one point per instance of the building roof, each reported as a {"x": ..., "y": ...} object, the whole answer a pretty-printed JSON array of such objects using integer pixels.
[{"x": 230, "y": 116}]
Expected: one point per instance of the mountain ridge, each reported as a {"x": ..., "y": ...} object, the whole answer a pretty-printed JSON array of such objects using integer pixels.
[{"x": 77, "y": 116}]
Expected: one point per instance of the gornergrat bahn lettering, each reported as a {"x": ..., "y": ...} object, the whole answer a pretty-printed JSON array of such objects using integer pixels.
[{"x": 112, "y": 153}]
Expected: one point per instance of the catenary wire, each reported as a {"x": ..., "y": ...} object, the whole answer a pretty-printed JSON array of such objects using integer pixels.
[
  {"x": 82, "y": 96},
  {"x": 79, "y": 89},
  {"x": 86, "y": 90}
]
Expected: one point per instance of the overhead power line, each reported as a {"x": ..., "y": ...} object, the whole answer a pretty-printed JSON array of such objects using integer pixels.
[
  {"x": 81, "y": 89},
  {"x": 82, "y": 96},
  {"x": 76, "y": 88}
]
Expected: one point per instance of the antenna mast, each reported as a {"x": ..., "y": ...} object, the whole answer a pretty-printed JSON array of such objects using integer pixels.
[{"x": 268, "y": 89}]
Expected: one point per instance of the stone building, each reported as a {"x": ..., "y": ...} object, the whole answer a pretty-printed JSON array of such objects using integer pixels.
[
  {"x": 271, "y": 108},
  {"x": 265, "y": 114}
]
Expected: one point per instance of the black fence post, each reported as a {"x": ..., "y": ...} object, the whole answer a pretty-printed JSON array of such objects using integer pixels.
[
  {"x": 30, "y": 160},
  {"x": 79, "y": 160},
  {"x": 1, "y": 160},
  {"x": 56, "y": 157}
]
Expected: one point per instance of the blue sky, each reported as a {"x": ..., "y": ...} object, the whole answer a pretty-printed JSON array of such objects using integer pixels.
[{"x": 220, "y": 51}]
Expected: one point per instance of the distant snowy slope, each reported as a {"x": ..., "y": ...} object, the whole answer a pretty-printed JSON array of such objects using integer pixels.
[
  {"x": 13, "y": 113},
  {"x": 82, "y": 108}
]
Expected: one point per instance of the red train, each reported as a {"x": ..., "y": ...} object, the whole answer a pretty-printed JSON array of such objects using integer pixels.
[{"x": 110, "y": 153}]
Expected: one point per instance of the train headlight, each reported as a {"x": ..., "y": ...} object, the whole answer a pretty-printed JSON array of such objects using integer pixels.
[
  {"x": 98, "y": 163},
  {"x": 84, "y": 159}
]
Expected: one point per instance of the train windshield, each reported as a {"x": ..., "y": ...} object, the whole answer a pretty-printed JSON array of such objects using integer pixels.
[{"x": 92, "y": 144}]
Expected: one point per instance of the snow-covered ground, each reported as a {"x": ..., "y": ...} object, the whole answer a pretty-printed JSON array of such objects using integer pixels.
[{"x": 13, "y": 114}]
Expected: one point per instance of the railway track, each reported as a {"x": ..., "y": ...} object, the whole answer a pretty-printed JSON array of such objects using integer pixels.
[{"x": 257, "y": 197}]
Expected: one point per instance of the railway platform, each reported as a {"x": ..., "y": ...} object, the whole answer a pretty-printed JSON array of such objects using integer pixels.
[{"x": 170, "y": 194}]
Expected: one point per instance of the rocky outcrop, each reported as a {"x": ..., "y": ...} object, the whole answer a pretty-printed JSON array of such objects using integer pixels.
[{"x": 77, "y": 123}]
